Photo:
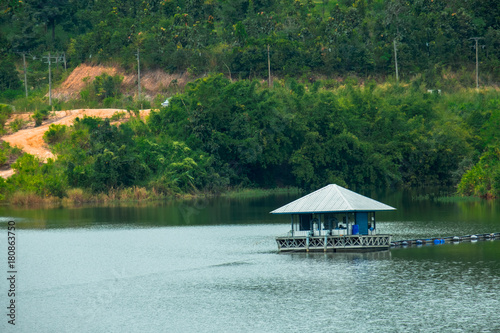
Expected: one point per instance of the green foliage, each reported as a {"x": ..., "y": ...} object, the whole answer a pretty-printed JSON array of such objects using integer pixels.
[
  {"x": 10, "y": 95},
  {"x": 483, "y": 180},
  {"x": 220, "y": 134},
  {"x": 5, "y": 112},
  {"x": 34, "y": 176},
  {"x": 117, "y": 116},
  {"x": 236, "y": 123},
  {"x": 55, "y": 134},
  {"x": 103, "y": 91},
  {"x": 8, "y": 76},
  {"x": 99, "y": 156},
  {"x": 17, "y": 124},
  {"x": 35, "y": 101},
  {"x": 40, "y": 115},
  {"x": 8, "y": 153},
  {"x": 295, "y": 135},
  {"x": 109, "y": 160},
  {"x": 4, "y": 155},
  {"x": 481, "y": 115},
  {"x": 3, "y": 189},
  {"x": 106, "y": 87},
  {"x": 332, "y": 38}
]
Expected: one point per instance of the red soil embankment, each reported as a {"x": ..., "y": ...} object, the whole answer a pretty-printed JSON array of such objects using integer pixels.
[{"x": 30, "y": 139}]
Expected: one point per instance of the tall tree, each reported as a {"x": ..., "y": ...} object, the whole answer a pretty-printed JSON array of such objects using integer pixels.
[
  {"x": 48, "y": 12},
  {"x": 8, "y": 76}
]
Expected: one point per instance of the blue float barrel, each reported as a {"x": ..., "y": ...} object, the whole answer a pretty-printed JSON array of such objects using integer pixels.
[{"x": 355, "y": 229}]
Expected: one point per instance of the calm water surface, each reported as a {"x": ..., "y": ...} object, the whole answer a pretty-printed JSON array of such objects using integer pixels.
[{"x": 212, "y": 266}]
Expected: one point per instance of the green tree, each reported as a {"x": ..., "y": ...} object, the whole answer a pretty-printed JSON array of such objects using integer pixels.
[
  {"x": 44, "y": 179},
  {"x": 48, "y": 12},
  {"x": 106, "y": 86},
  {"x": 9, "y": 78},
  {"x": 483, "y": 180}
]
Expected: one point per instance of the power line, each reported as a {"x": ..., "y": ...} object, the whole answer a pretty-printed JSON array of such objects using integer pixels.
[
  {"x": 49, "y": 58},
  {"x": 477, "y": 62}
]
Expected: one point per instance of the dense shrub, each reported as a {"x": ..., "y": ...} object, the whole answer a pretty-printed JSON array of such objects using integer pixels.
[
  {"x": 40, "y": 115},
  {"x": 221, "y": 134},
  {"x": 55, "y": 134},
  {"x": 106, "y": 87},
  {"x": 9, "y": 79},
  {"x": 17, "y": 124},
  {"x": 483, "y": 180},
  {"x": 8, "y": 153},
  {"x": 33, "y": 176},
  {"x": 5, "y": 112}
]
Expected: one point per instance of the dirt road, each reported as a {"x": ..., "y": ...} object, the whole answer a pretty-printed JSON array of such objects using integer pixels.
[{"x": 30, "y": 139}]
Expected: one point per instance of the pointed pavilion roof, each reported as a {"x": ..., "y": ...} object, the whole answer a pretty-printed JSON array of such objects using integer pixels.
[{"x": 331, "y": 199}]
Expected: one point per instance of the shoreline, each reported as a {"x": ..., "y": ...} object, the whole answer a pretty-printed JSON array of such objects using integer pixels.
[{"x": 132, "y": 196}]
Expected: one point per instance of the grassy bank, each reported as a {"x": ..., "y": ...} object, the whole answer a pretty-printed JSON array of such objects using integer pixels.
[
  {"x": 78, "y": 196},
  {"x": 131, "y": 195},
  {"x": 259, "y": 192}
]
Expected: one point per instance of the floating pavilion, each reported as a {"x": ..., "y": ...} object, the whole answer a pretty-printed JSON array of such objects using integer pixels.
[{"x": 333, "y": 219}]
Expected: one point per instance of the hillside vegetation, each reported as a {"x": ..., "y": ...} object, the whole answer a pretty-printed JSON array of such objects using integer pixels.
[
  {"x": 335, "y": 112},
  {"x": 219, "y": 135},
  {"x": 305, "y": 37}
]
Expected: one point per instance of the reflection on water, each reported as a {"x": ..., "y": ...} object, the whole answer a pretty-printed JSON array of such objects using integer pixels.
[
  {"x": 213, "y": 266},
  {"x": 413, "y": 218},
  {"x": 203, "y": 211}
]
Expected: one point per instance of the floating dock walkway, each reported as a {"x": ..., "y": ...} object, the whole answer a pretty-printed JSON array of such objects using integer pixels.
[{"x": 452, "y": 239}]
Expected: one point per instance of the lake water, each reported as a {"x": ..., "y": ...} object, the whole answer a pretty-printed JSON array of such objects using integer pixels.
[{"x": 213, "y": 266}]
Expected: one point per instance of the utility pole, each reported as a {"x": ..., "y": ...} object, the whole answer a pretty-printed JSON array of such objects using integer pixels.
[
  {"x": 50, "y": 82},
  {"x": 49, "y": 61},
  {"x": 25, "y": 76},
  {"x": 138, "y": 73},
  {"x": 229, "y": 70},
  {"x": 268, "y": 66},
  {"x": 396, "y": 60},
  {"x": 477, "y": 63}
]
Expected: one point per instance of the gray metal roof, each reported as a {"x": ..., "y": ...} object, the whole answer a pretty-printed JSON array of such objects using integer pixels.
[{"x": 330, "y": 199}]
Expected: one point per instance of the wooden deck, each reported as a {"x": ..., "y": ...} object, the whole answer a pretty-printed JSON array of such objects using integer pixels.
[{"x": 333, "y": 243}]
